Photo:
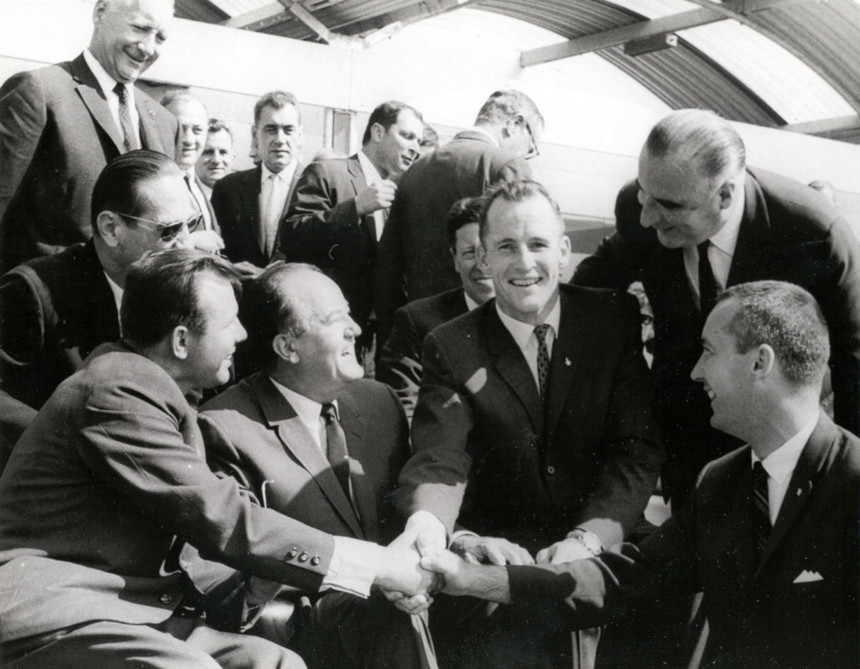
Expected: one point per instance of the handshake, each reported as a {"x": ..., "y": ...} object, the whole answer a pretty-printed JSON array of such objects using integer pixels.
[{"x": 417, "y": 564}]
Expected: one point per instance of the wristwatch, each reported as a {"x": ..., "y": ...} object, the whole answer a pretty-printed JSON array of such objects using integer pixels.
[{"x": 590, "y": 540}]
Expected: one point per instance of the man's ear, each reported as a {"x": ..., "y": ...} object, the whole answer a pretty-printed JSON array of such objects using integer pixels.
[
  {"x": 727, "y": 192},
  {"x": 179, "y": 342},
  {"x": 377, "y": 132},
  {"x": 283, "y": 347},
  {"x": 99, "y": 11},
  {"x": 107, "y": 222},
  {"x": 764, "y": 360}
]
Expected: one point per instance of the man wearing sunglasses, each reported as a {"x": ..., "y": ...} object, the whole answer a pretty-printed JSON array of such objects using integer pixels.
[{"x": 54, "y": 310}]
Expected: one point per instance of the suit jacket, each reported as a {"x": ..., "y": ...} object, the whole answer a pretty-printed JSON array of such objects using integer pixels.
[
  {"x": 400, "y": 359},
  {"x": 236, "y": 201},
  {"x": 323, "y": 228},
  {"x": 589, "y": 459},
  {"x": 414, "y": 259},
  {"x": 56, "y": 135},
  {"x": 54, "y": 311},
  {"x": 208, "y": 202},
  {"x": 113, "y": 477},
  {"x": 761, "y": 611},
  {"x": 787, "y": 233}
]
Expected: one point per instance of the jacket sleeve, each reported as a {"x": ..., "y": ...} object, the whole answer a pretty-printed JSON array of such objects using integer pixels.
[{"x": 400, "y": 361}]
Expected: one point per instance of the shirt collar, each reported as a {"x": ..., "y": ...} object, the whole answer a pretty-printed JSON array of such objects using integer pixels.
[
  {"x": 470, "y": 303},
  {"x": 371, "y": 174},
  {"x": 116, "y": 291},
  {"x": 265, "y": 172},
  {"x": 486, "y": 133},
  {"x": 780, "y": 464},
  {"x": 105, "y": 81},
  {"x": 308, "y": 410},
  {"x": 726, "y": 238},
  {"x": 522, "y": 332}
]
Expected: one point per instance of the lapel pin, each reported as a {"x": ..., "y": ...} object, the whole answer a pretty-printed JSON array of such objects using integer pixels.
[
  {"x": 799, "y": 492},
  {"x": 567, "y": 362}
]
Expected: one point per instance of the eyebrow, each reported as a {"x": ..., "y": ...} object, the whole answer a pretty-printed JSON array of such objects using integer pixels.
[{"x": 669, "y": 204}]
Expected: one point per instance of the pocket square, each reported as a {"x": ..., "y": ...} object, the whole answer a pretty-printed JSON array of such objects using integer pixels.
[{"x": 808, "y": 577}]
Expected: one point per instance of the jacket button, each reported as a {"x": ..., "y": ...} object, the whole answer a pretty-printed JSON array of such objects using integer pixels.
[
  {"x": 165, "y": 598},
  {"x": 303, "y": 557},
  {"x": 550, "y": 470},
  {"x": 293, "y": 552},
  {"x": 315, "y": 560}
]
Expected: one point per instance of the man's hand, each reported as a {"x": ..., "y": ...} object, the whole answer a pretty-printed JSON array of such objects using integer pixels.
[
  {"x": 488, "y": 582},
  {"x": 378, "y": 196},
  {"x": 400, "y": 571},
  {"x": 207, "y": 240},
  {"x": 490, "y": 549},
  {"x": 566, "y": 550}
]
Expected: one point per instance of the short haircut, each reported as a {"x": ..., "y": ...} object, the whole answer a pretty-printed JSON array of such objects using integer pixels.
[
  {"x": 217, "y": 125},
  {"x": 516, "y": 191},
  {"x": 275, "y": 100},
  {"x": 504, "y": 105},
  {"x": 788, "y": 319},
  {"x": 430, "y": 136},
  {"x": 117, "y": 187},
  {"x": 268, "y": 310},
  {"x": 462, "y": 212},
  {"x": 701, "y": 137},
  {"x": 161, "y": 293},
  {"x": 386, "y": 115},
  {"x": 179, "y": 96}
]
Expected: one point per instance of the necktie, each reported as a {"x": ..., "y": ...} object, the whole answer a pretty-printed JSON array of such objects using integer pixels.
[
  {"x": 196, "y": 194},
  {"x": 543, "y": 358},
  {"x": 336, "y": 446},
  {"x": 272, "y": 213},
  {"x": 129, "y": 134},
  {"x": 707, "y": 283},
  {"x": 761, "y": 512}
]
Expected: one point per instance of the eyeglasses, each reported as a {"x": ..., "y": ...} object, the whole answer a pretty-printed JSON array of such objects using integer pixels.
[
  {"x": 533, "y": 151},
  {"x": 168, "y": 231}
]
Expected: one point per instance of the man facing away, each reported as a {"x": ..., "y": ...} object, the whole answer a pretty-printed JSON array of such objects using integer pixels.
[
  {"x": 340, "y": 208},
  {"x": 60, "y": 125},
  {"x": 318, "y": 443},
  {"x": 698, "y": 220},
  {"x": 249, "y": 204},
  {"x": 113, "y": 477},
  {"x": 413, "y": 253},
  {"x": 533, "y": 427},
  {"x": 400, "y": 361},
  {"x": 770, "y": 534}
]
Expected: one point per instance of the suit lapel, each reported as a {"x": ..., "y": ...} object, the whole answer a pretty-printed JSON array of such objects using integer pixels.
[
  {"x": 297, "y": 441},
  {"x": 359, "y": 182},
  {"x": 810, "y": 463},
  {"x": 149, "y": 135},
  {"x": 365, "y": 500},
  {"x": 250, "y": 194},
  {"x": 748, "y": 258},
  {"x": 91, "y": 94},
  {"x": 296, "y": 176},
  {"x": 564, "y": 360},
  {"x": 512, "y": 366},
  {"x": 741, "y": 512}
]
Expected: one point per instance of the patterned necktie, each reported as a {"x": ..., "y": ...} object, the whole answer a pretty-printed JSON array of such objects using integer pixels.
[
  {"x": 543, "y": 358},
  {"x": 272, "y": 214},
  {"x": 761, "y": 512},
  {"x": 336, "y": 446},
  {"x": 130, "y": 139},
  {"x": 707, "y": 283}
]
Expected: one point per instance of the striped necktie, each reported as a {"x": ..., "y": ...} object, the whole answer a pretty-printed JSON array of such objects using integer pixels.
[
  {"x": 129, "y": 134},
  {"x": 761, "y": 508},
  {"x": 542, "y": 358},
  {"x": 335, "y": 442}
]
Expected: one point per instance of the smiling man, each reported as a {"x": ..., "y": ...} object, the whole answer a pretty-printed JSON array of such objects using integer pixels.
[
  {"x": 400, "y": 360},
  {"x": 340, "y": 206},
  {"x": 60, "y": 125},
  {"x": 698, "y": 220},
  {"x": 317, "y": 443},
  {"x": 533, "y": 424},
  {"x": 249, "y": 204},
  {"x": 214, "y": 163}
]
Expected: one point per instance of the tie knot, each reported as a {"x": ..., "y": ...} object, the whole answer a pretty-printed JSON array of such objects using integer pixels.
[
  {"x": 329, "y": 413},
  {"x": 121, "y": 92},
  {"x": 703, "y": 247},
  {"x": 759, "y": 473},
  {"x": 541, "y": 330}
]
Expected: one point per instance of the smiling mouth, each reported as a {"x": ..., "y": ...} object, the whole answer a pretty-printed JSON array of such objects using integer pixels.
[{"x": 525, "y": 283}]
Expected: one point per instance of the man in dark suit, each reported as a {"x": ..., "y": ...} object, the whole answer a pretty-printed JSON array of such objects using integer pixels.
[
  {"x": 113, "y": 477},
  {"x": 400, "y": 360},
  {"x": 771, "y": 532},
  {"x": 214, "y": 163},
  {"x": 271, "y": 432},
  {"x": 60, "y": 125},
  {"x": 413, "y": 253},
  {"x": 533, "y": 421},
  {"x": 55, "y": 310},
  {"x": 340, "y": 206},
  {"x": 193, "y": 129},
  {"x": 694, "y": 188},
  {"x": 249, "y": 205}
]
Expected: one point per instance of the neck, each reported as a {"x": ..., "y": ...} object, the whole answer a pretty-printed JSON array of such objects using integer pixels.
[
  {"x": 371, "y": 154},
  {"x": 306, "y": 388},
  {"x": 783, "y": 419},
  {"x": 115, "y": 270}
]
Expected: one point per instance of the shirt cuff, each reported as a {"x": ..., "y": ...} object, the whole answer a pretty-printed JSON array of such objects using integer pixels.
[{"x": 353, "y": 566}]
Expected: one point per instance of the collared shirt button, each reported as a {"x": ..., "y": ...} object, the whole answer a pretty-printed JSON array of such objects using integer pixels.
[
  {"x": 165, "y": 598},
  {"x": 315, "y": 560},
  {"x": 550, "y": 469},
  {"x": 303, "y": 557}
]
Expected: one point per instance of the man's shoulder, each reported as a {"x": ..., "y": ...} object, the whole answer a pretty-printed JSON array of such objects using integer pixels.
[
  {"x": 794, "y": 211},
  {"x": 369, "y": 393},
  {"x": 114, "y": 373},
  {"x": 598, "y": 302},
  {"x": 235, "y": 180},
  {"x": 239, "y": 398},
  {"x": 48, "y": 80},
  {"x": 428, "y": 312},
  {"x": 62, "y": 276}
]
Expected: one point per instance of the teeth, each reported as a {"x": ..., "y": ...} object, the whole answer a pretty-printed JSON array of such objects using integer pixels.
[{"x": 524, "y": 282}]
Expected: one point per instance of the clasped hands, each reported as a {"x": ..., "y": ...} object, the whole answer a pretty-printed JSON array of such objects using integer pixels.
[{"x": 453, "y": 570}]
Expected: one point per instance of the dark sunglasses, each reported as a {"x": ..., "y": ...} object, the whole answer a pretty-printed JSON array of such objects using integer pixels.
[{"x": 168, "y": 231}]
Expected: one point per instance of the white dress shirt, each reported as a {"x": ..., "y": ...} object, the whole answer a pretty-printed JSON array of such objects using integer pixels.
[
  {"x": 720, "y": 254},
  {"x": 107, "y": 84},
  {"x": 526, "y": 339},
  {"x": 373, "y": 177},
  {"x": 274, "y": 189}
]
